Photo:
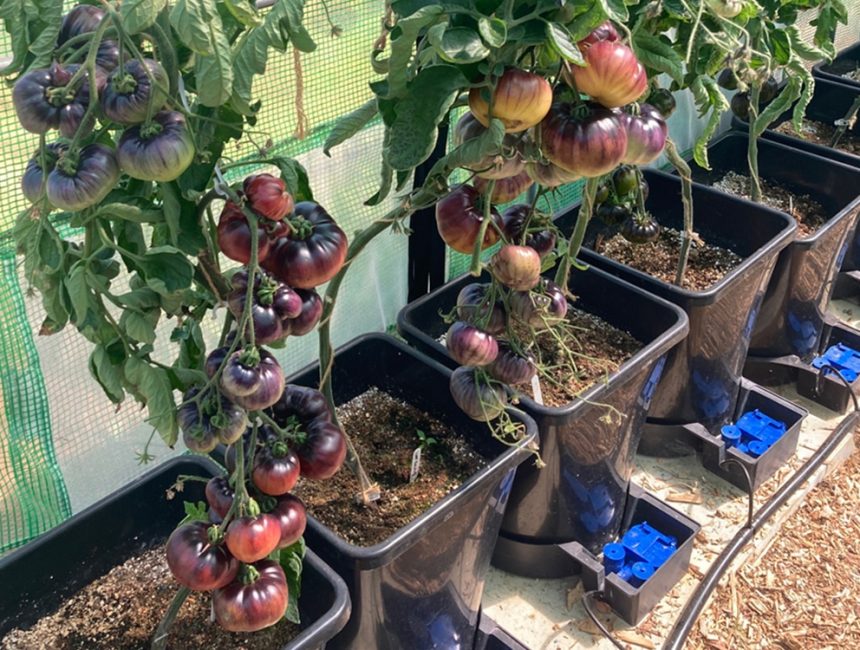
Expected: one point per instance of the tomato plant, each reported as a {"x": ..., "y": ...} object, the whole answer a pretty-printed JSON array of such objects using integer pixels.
[{"x": 134, "y": 104}]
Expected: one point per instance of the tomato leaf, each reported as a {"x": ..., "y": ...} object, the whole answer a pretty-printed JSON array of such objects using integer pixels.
[
  {"x": 189, "y": 19},
  {"x": 801, "y": 48},
  {"x": 281, "y": 27},
  {"x": 108, "y": 375},
  {"x": 781, "y": 103},
  {"x": 414, "y": 132},
  {"x": 586, "y": 21},
  {"x": 214, "y": 73},
  {"x": 350, "y": 124},
  {"x": 130, "y": 212},
  {"x": 50, "y": 250},
  {"x": 494, "y": 31},
  {"x": 195, "y": 512},
  {"x": 165, "y": 269},
  {"x": 659, "y": 56},
  {"x": 296, "y": 178},
  {"x": 461, "y": 45},
  {"x": 780, "y": 46},
  {"x": 562, "y": 43},
  {"x": 291, "y": 561},
  {"x": 137, "y": 15},
  {"x": 154, "y": 386},
  {"x": 138, "y": 325},
  {"x": 805, "y": 96},
  {"x": 477, "y": 149},
  {"x": 403, "y": 38},
  {"x": 44, "y": 45}
]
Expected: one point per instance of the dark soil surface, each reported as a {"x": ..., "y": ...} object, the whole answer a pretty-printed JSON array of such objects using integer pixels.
[
  {"x": 810, "y": 214},
  {"x": 822, "y": 133},
  {"x": 121, "y": 611},
  {"x": 595, "y": 349},
  {"x": 385, "y": 433},
  {"x": 706, "y": 264}
]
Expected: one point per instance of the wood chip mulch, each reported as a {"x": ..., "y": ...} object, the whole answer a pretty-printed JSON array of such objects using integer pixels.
[{"x": 804, "y": 593}]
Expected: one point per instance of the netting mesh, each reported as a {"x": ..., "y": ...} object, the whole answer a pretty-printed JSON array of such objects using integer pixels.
[{"x": 63, "y": 445}]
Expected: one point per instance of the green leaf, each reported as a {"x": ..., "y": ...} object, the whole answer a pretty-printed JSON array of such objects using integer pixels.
[
  {"x": 195, "y": 512},
  {"x": 296, "y": 178},
  {"x": 108, "y": 375},
  {"x": 562, "y": 43},
  {"x": 805, "y": 96},
  {"x": 801, "y": 48},
  {"x": 129, "y": 212},
  {"x": 402, "y": 42},
  {"x": 583, "y": 23},
  {"x": 475, "y": 150},
  {"x": 708, "y": 96},
  {"x": 781, "y": 103},
  {"x": 143, "y": 298},
  {"x": 214, "y": 73},
  {"x": 79, "y": 292},
  {"x": 44, "y": 45},
  {"x": 282, "y": 26},
  {"x": 414, "y": 132},
  {"x": 461, "y": 45},
  {"x": 154, "y": 385},
  {"x": 243, "y": 11},
  {"x": 190, "y": 20},
  {"x": 615, "y": 10},
  {"x": 494, "y": 31},
  {"x": 780, "y": 46},
  {"x": 139, "y": 326},
  {"x": 137, "y": 15},
  {"x": 15, "y": 15},
  {"x": 50, "y": 250},
  {"x": 165, "y": 269},
  {"x": 350, "y": 124},
  {"x": 291, "y": 559},
  {"x": 386, "y": 176},
  {"x": 658, "y": 55}
]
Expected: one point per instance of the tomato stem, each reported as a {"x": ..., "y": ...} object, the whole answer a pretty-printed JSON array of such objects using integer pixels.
[
  {"x": 752, "y": 143},
  {"x": 159, "y": 639},
  {"x": 687, "y": 199},
  {"x": 475, "y": 267},
  {"x": 562, "y": 276}
]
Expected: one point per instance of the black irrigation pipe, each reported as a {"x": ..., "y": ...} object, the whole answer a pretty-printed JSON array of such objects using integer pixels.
[{"x": 690, "y": 614}]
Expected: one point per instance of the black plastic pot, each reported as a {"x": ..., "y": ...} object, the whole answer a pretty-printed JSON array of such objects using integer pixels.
[
  {"x": 37, "y": 578},
  {"x": 830, "y": 102},
  {"x": 702, "y": 377},
  {"x": 845, "y": 61},
  {"x": 422, "y": 587},
  {"x": 629, "y": 602},
  {"x": 791, "y": 317},
  {"x": 581, "y": 493}
]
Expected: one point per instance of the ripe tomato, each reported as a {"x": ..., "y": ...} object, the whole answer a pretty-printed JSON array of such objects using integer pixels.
[
  {"x": 324, "y": 450},
  {"x": 612, "y": 74},
  {"x": 219, "y": 495},
  {"x": 234, "y": 235},
  {"x": 268, "y": 196},
  {"x": 77, "y": 184},
  {"x": 126, "y": 97},
  {"x": 312, "y": 252},
  {"x": 482, "y": 402},
  {"x": 252, "y": 538},
  {"x": 292, "y": 517},
  {"x": 511, "y": 368},
  {"x": 276, "y": 469},
  {"x": 517, "y": 267},
  {"x": 158, "y": 151},
  {"x": 253, "y": 387},
  {"x": 502, "y": 164},
  {"x": 588, "y": 141},
  {"x": 250, "y": 606},
  {"x": 506, "y": 189},
  {"x": 196, "y": 562},
  {"x": 458, "y": 219},
  {"x": 521, "y": 100},
  {"x": 470, "y": 346}
]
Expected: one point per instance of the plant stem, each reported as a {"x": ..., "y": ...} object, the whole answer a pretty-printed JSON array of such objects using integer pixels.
[
  {"x": 159, "y": 639},
  {"x": 562, "y": 276},
  {"x": 687, "y": 199},
  {"x": 423, "y": 197},
  {"x": 846, "y": 122},
  {"x": 752, "y": 144},
  {"x": 475, "y": 267}
]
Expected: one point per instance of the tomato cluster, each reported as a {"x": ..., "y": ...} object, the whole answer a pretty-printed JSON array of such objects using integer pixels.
[
  {"x": 593, "y": 124},
  {"x": 128, "y": 96},
  {"x": 253, "y": 516}
]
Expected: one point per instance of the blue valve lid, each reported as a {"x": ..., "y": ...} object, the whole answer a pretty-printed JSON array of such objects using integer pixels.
[
  {"x": 614, "y": 551},
  {"x": 731, "y": 435},
  {"x": 756, "y": 448},
  {"x": 640, "y": 573}
]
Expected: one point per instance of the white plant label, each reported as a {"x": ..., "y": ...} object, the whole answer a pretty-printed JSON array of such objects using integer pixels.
[
  {"x": 416, "y": 465},
  {"x": 538, "y": 395}
]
